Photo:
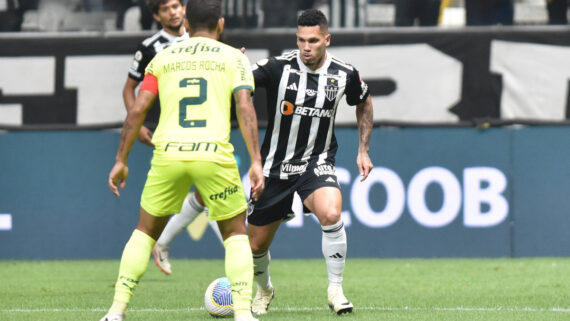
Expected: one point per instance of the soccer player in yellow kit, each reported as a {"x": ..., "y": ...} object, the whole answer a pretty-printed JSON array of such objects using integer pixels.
[{"x": 196, "y": 79}]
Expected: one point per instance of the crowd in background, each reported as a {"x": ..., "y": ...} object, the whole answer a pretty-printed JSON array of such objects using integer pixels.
[{"x": 74, "y": 15}]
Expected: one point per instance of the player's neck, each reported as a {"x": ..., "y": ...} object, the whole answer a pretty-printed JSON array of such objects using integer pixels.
[
  {"x": 175, "y": 32},
  {"x": 204, "y": 33}
]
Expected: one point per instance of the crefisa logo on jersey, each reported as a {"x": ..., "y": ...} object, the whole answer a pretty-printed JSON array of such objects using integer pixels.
[
  {"x": 287, "y": 108},
  {"x": 331, "y": 89}
]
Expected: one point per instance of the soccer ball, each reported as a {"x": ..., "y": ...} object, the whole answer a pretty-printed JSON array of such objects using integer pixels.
[{"x": 218, "y": 298}]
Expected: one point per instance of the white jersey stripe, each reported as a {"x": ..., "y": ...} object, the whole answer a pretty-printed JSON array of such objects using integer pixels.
[
  {"x": 294, "y": 131},
  {"x": 277, "y": 122},
  {"x": 342, "y": 84}
]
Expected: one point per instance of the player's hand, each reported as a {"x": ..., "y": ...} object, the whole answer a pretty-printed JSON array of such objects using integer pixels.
[
  {"x": 242, "y": 49},
  {"x": 118, "y": 176},
  {"x": 364, "y": 165},
  {"x": 145, "y": 136},
  {"x": 257, "y": 180}
]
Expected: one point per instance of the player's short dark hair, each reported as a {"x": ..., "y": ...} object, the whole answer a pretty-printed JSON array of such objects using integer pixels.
[
  {"x": 204, "y": 14},
  {"x": 153, "y": 5},
  {"x": 311, "y": 18}
]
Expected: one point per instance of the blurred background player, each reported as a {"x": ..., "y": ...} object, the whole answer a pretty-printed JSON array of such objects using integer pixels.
[
  {"x": 304, "y": 88},
  {"x": 197, "y": 78},
  {"x": 171, "y": 15}
]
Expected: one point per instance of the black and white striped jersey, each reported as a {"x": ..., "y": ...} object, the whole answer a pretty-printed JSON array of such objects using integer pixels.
[
  {"x": 148, "y": 48},
  {"x": 301, "y": 110}
]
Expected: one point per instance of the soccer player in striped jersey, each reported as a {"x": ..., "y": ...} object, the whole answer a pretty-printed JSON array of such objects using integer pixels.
[
  {"x": 304, "y": 88},
  {"x": 171, "y": 16},
  {"x": 196, "y": 79}
]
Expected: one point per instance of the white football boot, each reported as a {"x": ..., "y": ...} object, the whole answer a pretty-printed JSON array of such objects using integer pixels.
[
  {"x": 161, "y": 259},
  {"x": 338, "y": 302},
  {"x": 113, "y": 317},
  {"x": 262, "y": 299}
]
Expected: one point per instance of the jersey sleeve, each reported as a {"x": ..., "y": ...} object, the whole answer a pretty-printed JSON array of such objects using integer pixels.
[
  {"x": 261, "y": 73},
  {"x": 142, "y": 58},
  {"x": 243, "y": 78},
  {"x": 356, "y": 89},
  {"x": 151, "y": 67}
]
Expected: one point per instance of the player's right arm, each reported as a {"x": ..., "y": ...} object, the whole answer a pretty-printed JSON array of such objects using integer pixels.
[
  {"x": 247, "y": 120},
  {"x": 135, "y": 117},
  {"x": 145, "y": 135},
  {"x": 142, "y": 58}
]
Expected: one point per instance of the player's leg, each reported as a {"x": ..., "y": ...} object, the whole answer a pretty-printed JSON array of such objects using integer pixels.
[
  {"x": 260, "y": 238},
  {"x": 224, "y": 196},
  {"x": 266, "y": 214},
  {"x": 320, "y": 192},
  {"x": 326, "y": 203},
  {"x": 134, "y": 262},
  {"x": 163, "y": 194},
  {"x": 238, "y": 264},
  {"x": 193, "y": 205}
]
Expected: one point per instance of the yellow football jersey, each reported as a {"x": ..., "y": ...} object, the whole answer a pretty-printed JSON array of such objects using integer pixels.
[{"x": 196, "y": 80}]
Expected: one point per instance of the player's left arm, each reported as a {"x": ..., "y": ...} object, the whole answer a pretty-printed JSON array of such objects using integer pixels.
[
  {"x": 131, "y": 127},
  {"x": 357, "y": 93},
  {"x": 247, "y": 120},
  {"x": 364, "y": 120}
]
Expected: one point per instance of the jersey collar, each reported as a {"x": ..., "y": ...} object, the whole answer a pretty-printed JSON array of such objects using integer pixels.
[{"x": 172, "y": 38}]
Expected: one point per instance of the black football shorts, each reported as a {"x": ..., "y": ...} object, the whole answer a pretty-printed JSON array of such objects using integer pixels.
[{"x": 275, "y": 202}]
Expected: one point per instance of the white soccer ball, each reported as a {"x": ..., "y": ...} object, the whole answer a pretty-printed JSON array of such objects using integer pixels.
[{"x": 218, "y": 298}]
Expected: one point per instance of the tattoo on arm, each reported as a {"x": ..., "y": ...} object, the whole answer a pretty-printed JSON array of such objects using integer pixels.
[{"x": 364, "y": 116}]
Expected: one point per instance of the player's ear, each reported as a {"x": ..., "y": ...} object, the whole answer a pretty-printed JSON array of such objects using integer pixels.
[
  {"x": 328, "y": 39},
  {"x": 221, "y": 23},
  {"x": 186, "y": 24}
]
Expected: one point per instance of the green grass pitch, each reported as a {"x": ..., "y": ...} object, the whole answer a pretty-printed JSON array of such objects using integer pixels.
[{"x": 381, "y": 289}]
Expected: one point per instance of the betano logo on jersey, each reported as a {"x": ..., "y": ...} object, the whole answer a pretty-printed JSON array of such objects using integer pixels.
[{"x": 288, "y": 108}]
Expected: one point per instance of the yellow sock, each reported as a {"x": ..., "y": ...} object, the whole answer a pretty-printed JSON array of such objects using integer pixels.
[
  {"x": 239, "y": 269},
  {"x": 134, "y": 263}
]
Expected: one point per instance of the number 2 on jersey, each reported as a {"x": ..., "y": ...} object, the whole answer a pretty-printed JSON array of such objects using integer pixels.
[{"x": 187, "y": 102}]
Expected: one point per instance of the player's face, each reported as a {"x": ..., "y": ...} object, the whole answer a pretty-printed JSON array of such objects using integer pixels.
[
  {"x": 312, "y": 43},
  {"x": 171, "y": 15}
]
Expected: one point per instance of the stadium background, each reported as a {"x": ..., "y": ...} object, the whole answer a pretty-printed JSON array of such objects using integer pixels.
[{"x": 469, "y": 147}]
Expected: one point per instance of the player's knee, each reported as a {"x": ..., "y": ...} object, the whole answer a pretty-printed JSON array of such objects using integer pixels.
[
  {"x": 329, "y": 217},
  {"x": 258, "y": 247}
]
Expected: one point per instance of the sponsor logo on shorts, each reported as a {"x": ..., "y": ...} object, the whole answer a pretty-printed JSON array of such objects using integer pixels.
[
  {"x": 324, "y": 169},
  {"x": 294, "y": 167},
  {"x": 192, "y": 147},
  {"x": 230, "y": 190}
]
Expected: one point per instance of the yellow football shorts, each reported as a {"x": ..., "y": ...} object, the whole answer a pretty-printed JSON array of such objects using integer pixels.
[{"x": 168, "y": 183}]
